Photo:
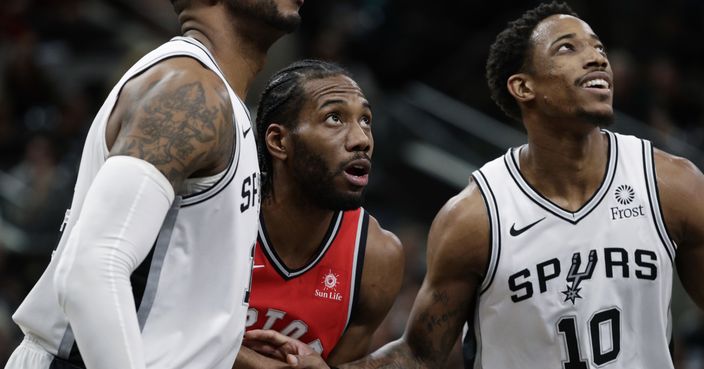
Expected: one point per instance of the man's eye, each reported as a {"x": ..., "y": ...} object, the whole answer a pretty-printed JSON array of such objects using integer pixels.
[
  {"x": 333, "y": 118},
  {"x": 565, "y": 47}
]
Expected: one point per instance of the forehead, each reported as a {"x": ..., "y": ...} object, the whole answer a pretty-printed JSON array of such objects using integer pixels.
[
  {"x": 340, "y": 86},
  {"x": 556, "y": 26}
]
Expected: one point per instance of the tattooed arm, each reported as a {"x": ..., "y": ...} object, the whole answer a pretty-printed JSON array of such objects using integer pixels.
[
  {"x": 458, "y": 249},
  {"x": 177, "y": 116},
  {"x": 171, "y": 122}
]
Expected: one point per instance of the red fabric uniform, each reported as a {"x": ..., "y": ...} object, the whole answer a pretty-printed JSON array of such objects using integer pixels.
[{"x": 312, "y": 304}]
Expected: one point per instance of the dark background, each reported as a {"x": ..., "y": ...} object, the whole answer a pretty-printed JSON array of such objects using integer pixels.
[{"x": 421, "y": 65}]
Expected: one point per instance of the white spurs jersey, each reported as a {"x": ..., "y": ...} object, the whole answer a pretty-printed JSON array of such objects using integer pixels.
[
  {"x": 575, "y": 290},
  {"x": 191, "y": 291}
]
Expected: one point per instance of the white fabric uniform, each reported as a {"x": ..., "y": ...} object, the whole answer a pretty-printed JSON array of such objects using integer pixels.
[
  {"x": 192, "y": 289},
  {"x": 575, "y": 290}
]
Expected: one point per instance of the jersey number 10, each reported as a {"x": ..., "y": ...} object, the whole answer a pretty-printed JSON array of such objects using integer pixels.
[{"x": 567, "y": 327}]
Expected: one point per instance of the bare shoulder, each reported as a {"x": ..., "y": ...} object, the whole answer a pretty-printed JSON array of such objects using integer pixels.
[
  {"x": 384, "y": 261},
  {"x": 383, "y": 244},
  {"x": 680, "y": 184},
  {"x": 176, "y": 115},
  {"x": 459, "y": 236}
]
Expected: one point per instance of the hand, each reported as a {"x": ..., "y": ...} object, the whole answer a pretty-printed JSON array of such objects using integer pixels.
[
  {"x": 306, "y": 361},
  {"x": 275, "y": 345}
]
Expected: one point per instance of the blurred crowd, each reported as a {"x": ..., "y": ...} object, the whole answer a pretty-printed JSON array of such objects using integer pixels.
[{"x": 59, "y": 58}]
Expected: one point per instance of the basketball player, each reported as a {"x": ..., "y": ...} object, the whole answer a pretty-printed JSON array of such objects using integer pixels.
[
  {"x": 561, "y": 253},
  {"x": 154, "y": 264},
  {"x": 325, "y": 272}
]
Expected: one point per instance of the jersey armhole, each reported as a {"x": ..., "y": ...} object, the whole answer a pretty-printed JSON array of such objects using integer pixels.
[
  {"x": 357, "y": 266},
  {"x": 494, "y": 229},
  {"x": 651, "y": 186}
]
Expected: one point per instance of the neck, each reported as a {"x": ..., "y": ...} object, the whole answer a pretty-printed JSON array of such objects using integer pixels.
[
  {"x": 295, "y": 228},
  {"x": 565, "y": 162},
  {"x": 239, "y": 54}
]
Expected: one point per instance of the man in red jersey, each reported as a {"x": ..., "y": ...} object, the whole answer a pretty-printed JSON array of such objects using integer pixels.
[
  {"x": 324, "y": 271},
  {"x": 562, "y": 252}
]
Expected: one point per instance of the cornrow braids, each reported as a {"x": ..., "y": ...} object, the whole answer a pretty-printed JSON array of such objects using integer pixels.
[
  {"x": 281, "y": 102},
  {"x": 509, "y": 54}
]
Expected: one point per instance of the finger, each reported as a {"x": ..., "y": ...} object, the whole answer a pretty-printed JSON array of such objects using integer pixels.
[
  {"x": 264, "y": 349},
  {"x": 292, "y": 360},
  {"x": 272, "y": 337},
  {"x": 306, "y": 362},
  {"x": 296, "y": 348}
]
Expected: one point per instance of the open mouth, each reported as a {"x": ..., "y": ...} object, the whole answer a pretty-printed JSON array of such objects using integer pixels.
[
  {"x": 357, "y": 172},
  {"x": 597, "y": 83}
]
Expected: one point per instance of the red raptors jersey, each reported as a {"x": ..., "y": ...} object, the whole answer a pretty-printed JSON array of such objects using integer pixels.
[{"x": 312, "y": 304}]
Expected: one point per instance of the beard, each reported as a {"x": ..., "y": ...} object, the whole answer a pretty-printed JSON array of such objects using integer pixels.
[
  {"x": 601, "y": 120},
  {"x": 317, "y": 180},
  {"x": 265, "y": 11}
]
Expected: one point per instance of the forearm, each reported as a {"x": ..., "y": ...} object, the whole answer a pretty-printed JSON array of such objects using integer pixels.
[
  {"x": 394, "y": 355},
  {"x": 119, "y": 222},
  {"x": 250, "y": 359}
]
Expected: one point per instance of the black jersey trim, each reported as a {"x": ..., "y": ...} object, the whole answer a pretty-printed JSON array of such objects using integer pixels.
[
  {"x": 359, "y": 254},
  {"x": 494, "y": 229},
  {"x": 469, "y": 348},
  {"x": 139, "y": 277},
  {"x": 285, "y": 272},
  {"x": 158, "y": 255},
  {"x": 59, "y": 363},
  {"x": 545, "y": 203},
  {"x": 654, "y": 199}
]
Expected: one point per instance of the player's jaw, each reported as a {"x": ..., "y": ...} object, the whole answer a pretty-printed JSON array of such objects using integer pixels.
[
  {"x": 280, "y": 14},
  {"x": 595, "y": 94},
  {"x": 333, "y": 187}
]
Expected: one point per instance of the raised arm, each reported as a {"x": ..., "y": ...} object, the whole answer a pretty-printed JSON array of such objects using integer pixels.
[
  {"x": 171, "y": 122},
  {"x": 680, "y": 186},
  {"x": 381, "y": 281},
  {"x": 458, "y": 249}
]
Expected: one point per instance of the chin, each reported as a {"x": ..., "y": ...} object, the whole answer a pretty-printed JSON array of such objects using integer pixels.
[
  {"x": 349, "y": 201},
  {"x": 601, "y": 118}
]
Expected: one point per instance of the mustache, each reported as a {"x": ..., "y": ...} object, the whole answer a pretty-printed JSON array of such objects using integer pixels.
[{"x": 355, "y": 157}]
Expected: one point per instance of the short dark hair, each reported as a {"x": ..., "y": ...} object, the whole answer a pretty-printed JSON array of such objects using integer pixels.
[
  {"x": 281, "y": 103},
  {"x": 509, "y": 54}
]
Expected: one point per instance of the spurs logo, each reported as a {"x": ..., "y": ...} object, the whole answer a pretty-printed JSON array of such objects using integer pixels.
[{"x": 576, "y": 277}]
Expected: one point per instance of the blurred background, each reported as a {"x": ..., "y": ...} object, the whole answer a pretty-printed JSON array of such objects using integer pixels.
[{"x": 421, "y": 65}]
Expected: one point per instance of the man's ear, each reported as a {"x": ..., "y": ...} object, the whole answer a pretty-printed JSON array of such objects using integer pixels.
[
  {"x": 521, "y": 87},
  {"x": 277, "y": 141}
]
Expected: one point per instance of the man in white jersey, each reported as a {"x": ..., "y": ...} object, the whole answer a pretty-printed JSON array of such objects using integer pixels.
[
  {"x": 154, "y": 264},
  {"x": 559, "y": 254}
]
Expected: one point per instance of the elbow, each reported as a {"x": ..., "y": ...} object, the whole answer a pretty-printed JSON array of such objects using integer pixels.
[
  {"x": 95, "y": 271},
  {"x": 72, "y": 276}
]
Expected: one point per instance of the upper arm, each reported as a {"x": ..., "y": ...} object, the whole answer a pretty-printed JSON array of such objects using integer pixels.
[
  {"x": 458, "y": 249},
  {"x": 177, "y": 116},
  {"x": 680, "y": 187},
  {"x": 381, "y": 281}
]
